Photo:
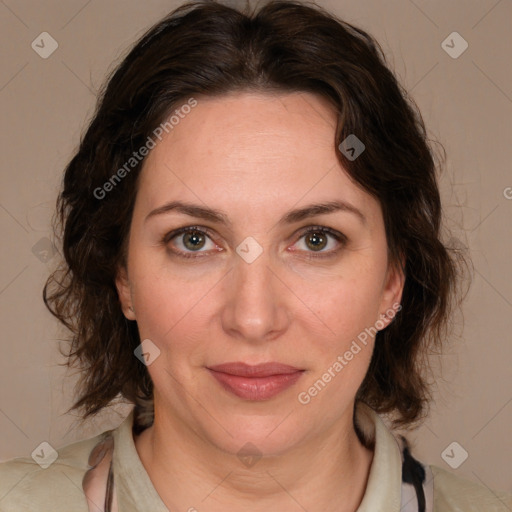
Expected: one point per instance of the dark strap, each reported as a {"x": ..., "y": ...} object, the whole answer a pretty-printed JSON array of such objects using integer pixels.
[
  {"x": 418, "y": 478},
  {"x": 110, "y": 488}
]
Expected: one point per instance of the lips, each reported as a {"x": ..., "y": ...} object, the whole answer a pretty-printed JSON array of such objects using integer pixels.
[
  {"x": 259, "y": 370},
  {"x": 259, "y": 382}
]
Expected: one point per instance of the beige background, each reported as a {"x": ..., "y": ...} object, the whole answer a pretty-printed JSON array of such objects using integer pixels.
[{"x": 466, "y": 103}]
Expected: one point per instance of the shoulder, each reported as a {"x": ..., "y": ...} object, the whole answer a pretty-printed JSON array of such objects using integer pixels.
[
  {"x": 30, "y": 485},
  {"x": 453, "y": 493}
]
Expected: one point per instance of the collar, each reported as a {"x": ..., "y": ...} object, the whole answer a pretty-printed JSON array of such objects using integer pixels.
[
  {"x": 133, "y": 486},
  {"x": 384, "y": 486}
]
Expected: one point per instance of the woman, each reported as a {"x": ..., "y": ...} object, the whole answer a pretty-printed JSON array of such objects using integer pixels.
[{"x": 253, "y": 257}]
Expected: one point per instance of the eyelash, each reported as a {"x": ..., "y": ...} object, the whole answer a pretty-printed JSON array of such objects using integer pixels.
[{"x": 339, "y": 237}]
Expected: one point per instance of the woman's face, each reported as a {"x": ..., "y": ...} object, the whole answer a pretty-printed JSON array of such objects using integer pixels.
[{"x": 250, "y": 284}]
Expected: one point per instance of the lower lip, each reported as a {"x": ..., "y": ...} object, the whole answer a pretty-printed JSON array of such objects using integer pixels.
[{"x": 256, "y": 388}]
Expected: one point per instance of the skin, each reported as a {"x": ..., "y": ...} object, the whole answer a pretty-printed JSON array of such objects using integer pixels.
[{"x": 255, "y": 156}]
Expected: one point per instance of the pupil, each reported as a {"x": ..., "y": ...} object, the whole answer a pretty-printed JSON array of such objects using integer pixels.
[
  {"x": 196, "y": 239},
  {"x": 317, "y": 238}
]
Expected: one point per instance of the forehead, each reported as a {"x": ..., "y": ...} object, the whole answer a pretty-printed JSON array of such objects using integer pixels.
[
  {"x": 245, "y": 125},
  {"x": 256, "y": 147}
]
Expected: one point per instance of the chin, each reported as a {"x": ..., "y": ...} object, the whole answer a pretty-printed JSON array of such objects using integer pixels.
[{"x": 263, "y": 435}]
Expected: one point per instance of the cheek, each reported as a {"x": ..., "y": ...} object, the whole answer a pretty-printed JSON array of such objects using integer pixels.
[
  {"x": 340, "y": 336},
  {"x": 342, "y": 303},
  {"x": 171, "y": 307}
]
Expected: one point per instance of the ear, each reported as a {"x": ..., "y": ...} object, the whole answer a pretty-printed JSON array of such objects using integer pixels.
[
  {"x": 392, "y": 293},
  {"x": 124, "y": 293}
]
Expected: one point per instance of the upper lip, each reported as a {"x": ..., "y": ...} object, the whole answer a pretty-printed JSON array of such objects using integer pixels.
[{"x": 259, "y": 370}]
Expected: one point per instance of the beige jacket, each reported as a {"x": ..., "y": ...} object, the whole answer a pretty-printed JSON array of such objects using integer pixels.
[{"x": 77, "y": 481}]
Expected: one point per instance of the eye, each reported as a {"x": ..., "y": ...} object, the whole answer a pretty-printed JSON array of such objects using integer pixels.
[
  {"x": 190, "y": 240},
  {"x": 317, "y": 238}
]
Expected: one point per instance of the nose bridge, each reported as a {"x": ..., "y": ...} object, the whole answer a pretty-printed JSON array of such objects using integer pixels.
[{"x": 255, "y": 308}]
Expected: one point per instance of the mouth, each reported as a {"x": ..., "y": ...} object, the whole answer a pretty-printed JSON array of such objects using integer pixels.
[{"x": 256, "y": 383}]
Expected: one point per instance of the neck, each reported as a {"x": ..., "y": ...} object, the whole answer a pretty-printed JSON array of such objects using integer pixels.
[{"x": 328, "y": 472}]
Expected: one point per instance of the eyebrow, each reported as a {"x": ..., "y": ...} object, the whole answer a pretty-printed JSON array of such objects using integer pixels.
[{"x": 290, "y": 217}]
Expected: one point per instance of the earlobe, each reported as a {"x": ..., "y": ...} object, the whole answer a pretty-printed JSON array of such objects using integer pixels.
[
  {"x": 124, "y": 293},
  {"x": 392, "y": 295}
]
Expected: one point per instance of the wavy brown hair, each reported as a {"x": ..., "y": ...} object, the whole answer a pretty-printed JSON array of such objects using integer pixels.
[{"x": 206, "y": 48}]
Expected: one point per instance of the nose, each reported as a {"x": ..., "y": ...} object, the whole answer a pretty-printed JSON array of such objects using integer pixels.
[{"x": 256, "y": 302}]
